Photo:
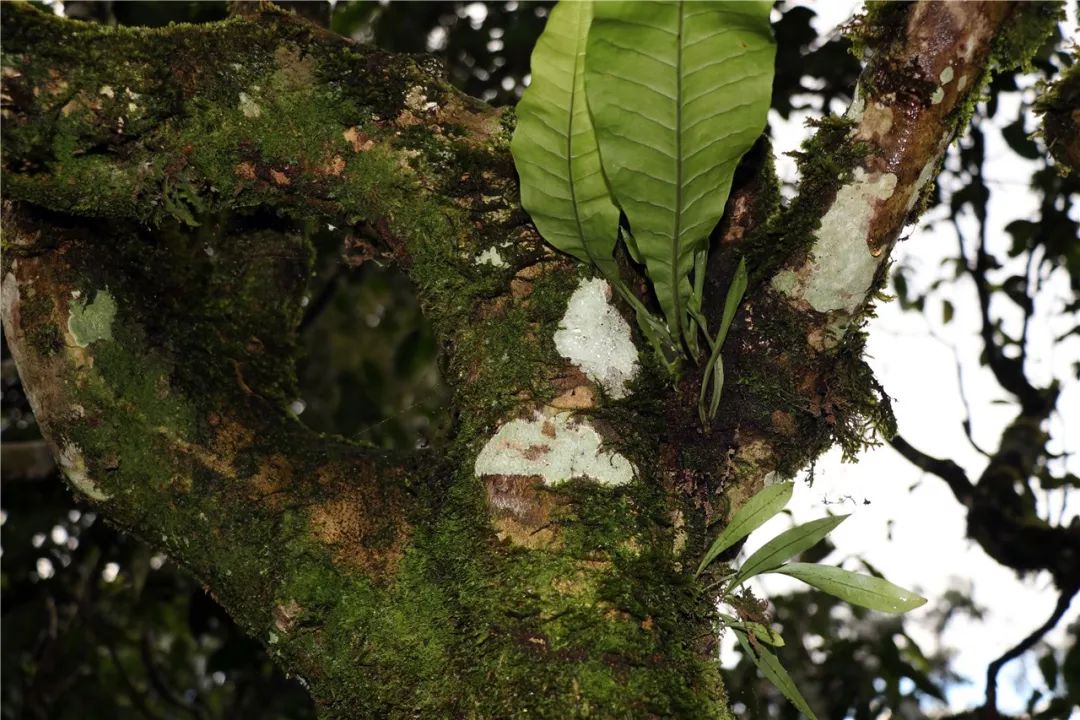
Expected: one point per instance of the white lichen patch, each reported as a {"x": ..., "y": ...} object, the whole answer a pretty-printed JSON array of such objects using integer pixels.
[
  {"x": 843, "y": 267},
  {"x": 875, "y": 120},
  {"x": 491, "y": 257},
  {"x": 107, "y": 91},
  {"x": 946, "y": 75},
  {"x": 249, "y": 107},
  {"x": 938, "y": 96},
  {"x": 554, "y": 448},
  {"x": 596, "y": 338},
  {"x": 74, "y": 467},
  {"x": 92, "y": 321},
  {"x": 417, "y": 102}
]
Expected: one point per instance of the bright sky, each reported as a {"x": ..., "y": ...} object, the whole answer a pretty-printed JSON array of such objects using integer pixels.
[{"x": 913, "y": 528}]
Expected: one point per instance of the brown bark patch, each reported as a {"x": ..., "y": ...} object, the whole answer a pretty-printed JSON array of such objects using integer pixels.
[
  {"x": 245, "y": 170},
  {"x": 286, "y": 614},
  {"x": 580, "y": 397},
  {"x": 357, "y": 537},
  {"x": 523, "y": 510},
  {"x": 358, "y": 139}
]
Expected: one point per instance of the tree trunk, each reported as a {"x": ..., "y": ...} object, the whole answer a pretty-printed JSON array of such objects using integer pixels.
[{"x": 540, "y": 563}]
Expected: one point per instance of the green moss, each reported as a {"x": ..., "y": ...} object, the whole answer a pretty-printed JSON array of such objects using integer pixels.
[
  {"x": 826, "y": 161},
  {"x": 877, "y": 27},
  {"x": 1058, "y": 104},
  {"x": 604, "y": 625},
  {"x": 1028, "y": 29}
]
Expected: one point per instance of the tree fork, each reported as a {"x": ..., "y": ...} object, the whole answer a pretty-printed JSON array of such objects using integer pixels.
[{"x": 159, "y": 182}]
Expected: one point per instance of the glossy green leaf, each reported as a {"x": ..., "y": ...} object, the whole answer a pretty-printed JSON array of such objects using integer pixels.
[
  {"x": 855, "y": 588},
  {"x": 748, "y": 518},
  {"x": 678, "y": 92},
  {"x": 774, "y": 672},
  {"x": 554, "y": 148},
  {"x": 785, "y": 546}
]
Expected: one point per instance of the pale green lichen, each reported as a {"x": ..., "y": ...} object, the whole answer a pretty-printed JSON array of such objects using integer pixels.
[
  {"x": 73, "y": 465},
  {"x": 249, "y": 107},
  {"x": 555, "y": 448},
  {"x": 92, "y": 321},
  {"x": 843, "y": 268},
  {"x": 491, "y": 257}
]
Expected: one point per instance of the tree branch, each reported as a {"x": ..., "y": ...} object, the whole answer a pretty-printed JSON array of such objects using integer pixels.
[
  {"x": 947, "y": 470},
  {"x": 1064, "y": 600}
]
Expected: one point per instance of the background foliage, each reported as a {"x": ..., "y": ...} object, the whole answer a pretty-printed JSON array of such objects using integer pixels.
[{"x": 96, "y": 624}]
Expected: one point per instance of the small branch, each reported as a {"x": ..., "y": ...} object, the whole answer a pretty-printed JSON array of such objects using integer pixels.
[
  {"x": 29, "y": 460},
  {"x": 146, "y": 651},
  {"x": 1064, "y": 600},
  {"x": 947, "y": 470}
]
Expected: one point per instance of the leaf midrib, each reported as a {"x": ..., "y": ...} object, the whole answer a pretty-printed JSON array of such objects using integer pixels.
[{"x": 676, "y": 239}]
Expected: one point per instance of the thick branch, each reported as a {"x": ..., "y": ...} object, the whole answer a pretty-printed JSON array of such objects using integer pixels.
[
  {"x": 158, "y": 344},
  {"x": 824, "y": 257}
]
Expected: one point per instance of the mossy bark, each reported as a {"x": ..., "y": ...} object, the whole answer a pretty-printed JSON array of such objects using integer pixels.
[{"x": 159, "y": 183}]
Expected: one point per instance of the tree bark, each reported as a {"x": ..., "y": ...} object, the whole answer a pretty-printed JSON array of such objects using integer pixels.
[{"x": 158, "y": 184}]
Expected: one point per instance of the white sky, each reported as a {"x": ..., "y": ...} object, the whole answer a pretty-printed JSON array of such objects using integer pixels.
[{"x": 913, "y": 530}]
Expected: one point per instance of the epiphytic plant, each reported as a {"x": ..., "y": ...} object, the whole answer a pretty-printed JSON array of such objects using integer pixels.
[{"x": 644, "y": 109}]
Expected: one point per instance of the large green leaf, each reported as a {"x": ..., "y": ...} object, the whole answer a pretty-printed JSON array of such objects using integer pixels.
[
  {"x": 785, "y": 546},
  {"x": 555, "y": 152},
  {"x": 554, "y": 148},
  {"x": 874, "y": 593},
  {"x": 752, "y": 515},
  {"x": 678, "y": 92}
]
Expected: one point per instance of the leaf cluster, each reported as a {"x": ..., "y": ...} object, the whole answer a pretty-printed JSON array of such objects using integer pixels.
[
  {"x": 628, "y": 139},
  {"x": 751, "y": 628}
]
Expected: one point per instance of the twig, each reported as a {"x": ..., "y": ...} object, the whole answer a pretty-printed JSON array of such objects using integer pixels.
[
  {"x": 1022, "y": 647},
  {"x": 947, "y": 470}
]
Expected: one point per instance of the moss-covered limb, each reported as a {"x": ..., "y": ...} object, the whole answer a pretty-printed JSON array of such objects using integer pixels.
[
  {"x": 1060, "y": 107},
  {"x": 452, "y": 592},
  {"x": 182, "y": 436},
  {"x": 172, "y": 123},
  {"x": 797, "y": 366},
  {"x": 386, "y": 591},
  {"x": 383, "y": 614}
]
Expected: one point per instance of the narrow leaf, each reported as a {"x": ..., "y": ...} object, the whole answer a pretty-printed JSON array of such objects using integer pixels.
[
  {"x": 554, "y": 147},
  {"x": 748, "y": 518},
  {"x": 785, "y": 546},
  {"x": 871, "y": 592},
  {"x": 678, "y": 92},
  {"x": 774, "y": 672},
  {"x": 762, "y": 632},
  {"x": 714, "y": 370}
]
